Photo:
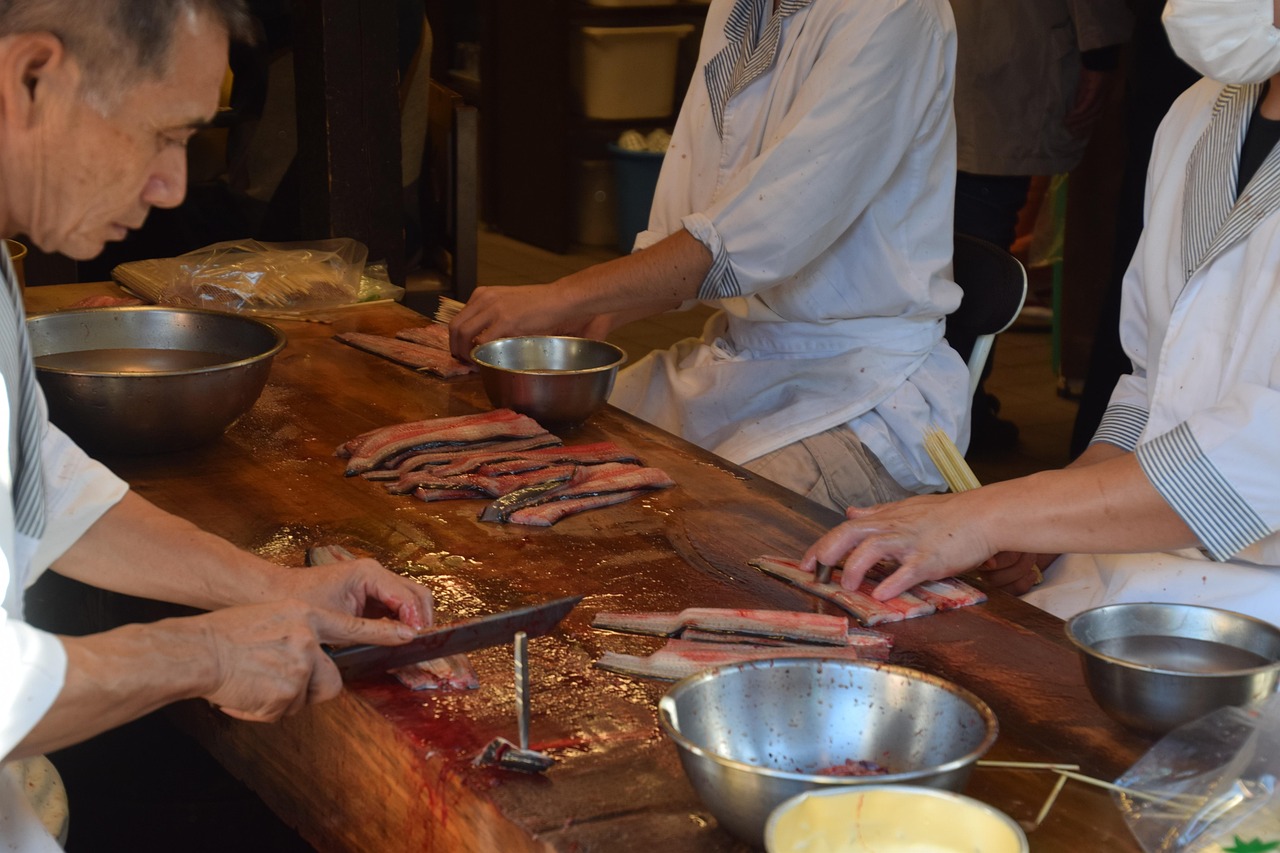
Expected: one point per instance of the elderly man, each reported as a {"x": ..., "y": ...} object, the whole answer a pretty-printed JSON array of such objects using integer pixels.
[
  {"x": 807, "y": 194},
  {"x": 1176, "y": 499},
  {"x": 98, "y": 99}
]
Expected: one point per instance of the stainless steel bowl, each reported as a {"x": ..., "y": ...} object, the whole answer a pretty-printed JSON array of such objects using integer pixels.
[
  {"x": 149, "y": 379},
  {"x": 1154, "y": 667},
  {"x": 753, "y": 735},
  {"x": 557, "y": 381}
]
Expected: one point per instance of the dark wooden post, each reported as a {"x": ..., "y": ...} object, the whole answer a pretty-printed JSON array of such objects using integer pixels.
[{"x": 349, "y": 125}]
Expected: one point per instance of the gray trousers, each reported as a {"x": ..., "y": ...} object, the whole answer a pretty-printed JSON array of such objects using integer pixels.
[{"x": 832, "y": 468}]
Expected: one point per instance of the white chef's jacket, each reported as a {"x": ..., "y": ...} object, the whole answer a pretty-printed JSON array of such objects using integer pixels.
[
  {"x": 814, "y": 157},
  {"x": 1201, "y": 321},
  {"x": 41, "y": 518}
]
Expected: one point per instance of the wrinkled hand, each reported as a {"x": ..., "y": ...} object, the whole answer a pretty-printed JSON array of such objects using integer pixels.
[
  {"x": 503, "y": 312},
  {"x": 1015, "y": 572},
  {"x": 351, "y": 585},
  {"x": 268, "y": 662},
  {"x": 930, "y": 537}
]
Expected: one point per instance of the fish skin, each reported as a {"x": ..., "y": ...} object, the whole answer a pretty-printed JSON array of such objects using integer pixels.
[
  {"x": 859, "y": 603},
  {"x": 460, "y": 431},
  {"x": 874, "y": 645},
  {"x": 682, "y": 658},
  {"x": 417, "y": 356},
  {"x": 453, "y": 462},
  {"x": 590, "y": 480},
  {"x": 580, "y": 454},
  {"x": 352, "y": 446},
  {"x": 547, "y": 514},
  {"x": 778, "y": 624},
  {"x": 433, "y": 495},
  {"x": 494, "y": 487}
]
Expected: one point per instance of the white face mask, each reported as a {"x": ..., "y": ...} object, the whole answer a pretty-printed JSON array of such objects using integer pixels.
[{"x": 1231, "y": 41}]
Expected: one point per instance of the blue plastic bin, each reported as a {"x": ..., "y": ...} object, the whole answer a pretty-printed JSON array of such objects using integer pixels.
[{"x": 635, "y": 175}]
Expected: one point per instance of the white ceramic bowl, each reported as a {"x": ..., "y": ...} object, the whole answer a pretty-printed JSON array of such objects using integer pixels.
[{"x": 890, "y": 819}]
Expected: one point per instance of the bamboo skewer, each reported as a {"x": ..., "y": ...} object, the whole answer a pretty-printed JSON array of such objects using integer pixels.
[
  {"x": 955, "y": 471},
  {"x": 447, "y": 310}
]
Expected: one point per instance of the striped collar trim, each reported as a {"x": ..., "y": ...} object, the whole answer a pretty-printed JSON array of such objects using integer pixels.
[{"x": 749, "y": 53}]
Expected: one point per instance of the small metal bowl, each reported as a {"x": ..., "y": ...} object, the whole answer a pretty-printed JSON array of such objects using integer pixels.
[
  {"x": 753, "y": 735},
  {"x": 890, "y": 819},
  {"x": 149, "y": 379},
  {"x": 1153, "y": 667},
  {"x": 557, "y": 381}
]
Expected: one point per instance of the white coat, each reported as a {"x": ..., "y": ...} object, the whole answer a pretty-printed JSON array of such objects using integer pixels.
[
  {"x": 1201, "y": 321},
  {"x": 816, "y": 162}
]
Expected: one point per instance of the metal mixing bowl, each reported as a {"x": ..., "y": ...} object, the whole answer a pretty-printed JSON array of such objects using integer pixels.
[
  {"x": 557, "y": 381},
  {"x": 1154, "y": 667},
  {"x": 890, "y": 819},
  {"x": 753, "y": 735},
  {"x": 149, "y": 379}
]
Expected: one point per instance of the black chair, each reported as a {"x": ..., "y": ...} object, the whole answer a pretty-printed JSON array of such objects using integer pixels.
[{"x": 994, "y": 285}]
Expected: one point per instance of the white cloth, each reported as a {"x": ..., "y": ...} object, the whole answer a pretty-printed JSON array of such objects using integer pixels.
[
  {"x": 77, "y": 491},
  {"x": 827, "y": 208},
  {"x": 1200, "y": 311}
]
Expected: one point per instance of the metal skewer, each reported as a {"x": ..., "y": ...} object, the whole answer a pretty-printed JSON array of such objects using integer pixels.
[{"x": 522, "y": 687}]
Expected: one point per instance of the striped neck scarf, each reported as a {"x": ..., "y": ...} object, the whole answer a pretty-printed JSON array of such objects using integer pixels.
[
  {"x": 26, "y": 419},
  {"x": 1213, "y": 218},
  {"x": 753, "y": 36}
]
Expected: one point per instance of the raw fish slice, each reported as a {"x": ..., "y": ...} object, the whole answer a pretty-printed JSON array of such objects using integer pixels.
[
  {"x": 780, "y": 624},
  {"x": 581, "y": 454},
  {"x": 443, "y": 431},
  {"x": 545, "y": 515},
  {"x": 494, "y": 487},
  {"x": 944, "y": 594},
  {"x": 435, "y": 336},
  {"x": 433, "y": 495},
  {"x": 417, "y": 356},
  {"x": 452, "y": 672},
  {"x": 353, "y": 446},
  {"x": 589, "y": 480},
  {"x": 872, "y": 644},
  {"x": 682, "y": 658},
  {"x": 444, "y": 458},
  {"x": 859, "y": 602}
]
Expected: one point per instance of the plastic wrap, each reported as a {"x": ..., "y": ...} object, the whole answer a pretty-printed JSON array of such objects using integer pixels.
[
  {"x": 248, "y": 275},
  {"x": 1209, "y": 785}
]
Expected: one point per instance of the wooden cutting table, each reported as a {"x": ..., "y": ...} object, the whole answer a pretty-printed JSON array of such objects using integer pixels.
[{"x": 383, "y": 769}]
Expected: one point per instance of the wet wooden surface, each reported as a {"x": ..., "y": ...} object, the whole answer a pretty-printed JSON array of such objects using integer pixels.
[{"x": 382, "y": 768}]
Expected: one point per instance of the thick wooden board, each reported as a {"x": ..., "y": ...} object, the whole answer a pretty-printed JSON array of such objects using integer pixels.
[{"x": 386, "y": 769}]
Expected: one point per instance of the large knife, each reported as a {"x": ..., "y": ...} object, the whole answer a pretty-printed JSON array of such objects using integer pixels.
[{"x": 465, "y": 635}]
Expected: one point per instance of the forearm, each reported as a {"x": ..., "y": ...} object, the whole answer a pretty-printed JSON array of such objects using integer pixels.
[
  {"x": 120, "y": 675},
  {"x": 138, "y": 549},
  {"x": 643, "y": 283},
  {"x": 1106, "y": 507}
]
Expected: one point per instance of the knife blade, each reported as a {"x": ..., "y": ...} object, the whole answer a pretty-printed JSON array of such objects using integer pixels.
[{"x": 464, "y": 635}]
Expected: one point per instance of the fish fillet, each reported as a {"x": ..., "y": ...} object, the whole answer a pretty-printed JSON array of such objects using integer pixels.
[
  {"x": 682, "y": 658},
  {"x": 435, "y": 336},
  {"x": 780, "y": 624},
  {"x": 417, "y": 356},
  {"x": 547, "y": 514},
  {"x": 603, "y": 480},
  {"x": 459, "y": 431},
  {"x": 859, "y": 603}
]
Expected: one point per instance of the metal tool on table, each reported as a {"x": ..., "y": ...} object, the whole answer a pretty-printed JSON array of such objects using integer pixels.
[
  {"x": 822, "y": 574},
  {"x": 503, "y": 753},
  {"x": 463, "y": 636}
]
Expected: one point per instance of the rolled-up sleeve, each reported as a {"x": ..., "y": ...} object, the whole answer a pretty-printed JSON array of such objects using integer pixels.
[{"x": 78, "y": 490}]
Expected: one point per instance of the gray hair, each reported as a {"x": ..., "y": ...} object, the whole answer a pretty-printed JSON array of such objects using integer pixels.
[{"x": 119, "y": 42}]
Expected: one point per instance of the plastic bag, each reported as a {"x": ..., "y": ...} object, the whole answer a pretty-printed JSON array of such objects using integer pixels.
[
  {"x": 1209, "y": 785},
  {"x": 247, "y": 275}
]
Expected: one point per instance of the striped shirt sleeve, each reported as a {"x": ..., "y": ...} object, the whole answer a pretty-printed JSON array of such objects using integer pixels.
[
  {"x": 1189, "y": 482},
  {"x": 1121, "y": 425}
]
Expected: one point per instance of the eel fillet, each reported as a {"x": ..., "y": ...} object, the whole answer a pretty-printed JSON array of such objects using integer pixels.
[
  {"x": 681, "y": 658},
  {"x": 602, "y": 482},
  {"x": 779, "y": 624},
  {"x": 547, "y": 514},
  {"x": 491, "y": 487},
  {"x": 443, "y": 459},
  {"x": 859, "y": 603},
  {"x": 425, "y": 358},
  {"x": 453, "y": 671},
  {"x": 375, "y": 449},
  {"x": 435, "y": 336}
]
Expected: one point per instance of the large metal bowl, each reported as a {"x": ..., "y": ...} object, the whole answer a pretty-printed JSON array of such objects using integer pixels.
[
  {"x": 557, "y": 381},
  {"x": 1154, "y": 666},
  {"x": 149, "y": 379},
  {"x": 753, "y": 735}
]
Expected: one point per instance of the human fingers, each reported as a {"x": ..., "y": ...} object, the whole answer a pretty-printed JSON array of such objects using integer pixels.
[
  {"x": 468, "y": 323},
  {"x": 832, "y": 547},
  {"x": 411, "y": 602}
]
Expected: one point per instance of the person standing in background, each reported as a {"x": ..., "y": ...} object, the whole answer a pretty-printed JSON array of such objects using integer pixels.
[{"x": 1031, "y": 81}]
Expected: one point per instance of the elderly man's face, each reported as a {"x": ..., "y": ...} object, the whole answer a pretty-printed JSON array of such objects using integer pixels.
[{"x": 103, "y": 173}]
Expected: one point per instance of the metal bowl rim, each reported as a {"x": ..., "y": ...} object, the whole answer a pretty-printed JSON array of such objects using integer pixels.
[
  {"x": 1093, "y": 654},
  {"x": 280, "y": 341},
  {"x": 622, "y": 357},
  {"x": 898, "y": 790},
  {"x": 984, "y": 711}
]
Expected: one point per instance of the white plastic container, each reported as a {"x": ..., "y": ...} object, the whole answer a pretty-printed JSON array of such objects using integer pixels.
[{"x": 628, "y": 72}]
